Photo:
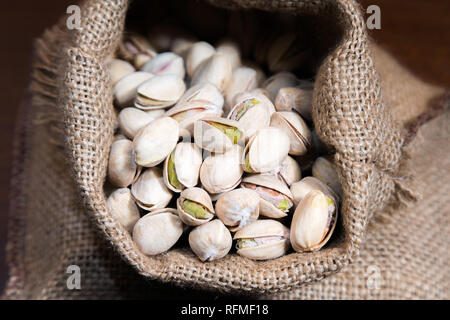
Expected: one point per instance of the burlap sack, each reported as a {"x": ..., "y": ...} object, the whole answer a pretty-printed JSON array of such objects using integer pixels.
[{"x": 52, "y": 227}]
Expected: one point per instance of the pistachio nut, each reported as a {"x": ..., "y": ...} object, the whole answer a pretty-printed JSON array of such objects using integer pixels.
[
  {"x": 157, "y": 231},
  {"x": 231, "y": 50},
  {"x": 279, "y": 80},
  {"x": 289, "y": 171},
  {"x": 182, "y": 45},
  {"x": 262, "y": 240},
  {"x": 242, "y": 79},
  {"x": 204, "y": 92},
  {"x": 265, "y": 150},
  {"x": 301, "y": 188},
  {"x": 313, "y": 222},
  {"x": 286, "y": 53},
  {"x": 131, "y": 120},
  {"x": 296, "y": 128},
  {"x": 165, "y": 63},
  {"x": 210, "y": 241},
  {"x": 140, "y": 60},
  {"x": 195, "y": 206},
  {"x": 149, "y": 190},
  {"x": 217, "y": 134},
  {"x": 119, "y": 136},
  {"x": 159, "y": 92},
  {"x": 134, "y": 45},
  {"x": 198, "y": 52},
  {"x": 260, "y": 75},
  {"x": 325, "y": 171},
  {"x": 119, "y": 69},
  {"x": 122, "y": 169},
  {"x": 216, "y": 70},
  {"x": 237, "y": 208},
  {"x": 252, "y": 113},
  {"x": 125, "y": 88},
  {"x": 182, "y": 167},
  {"x": 295, "y": 99},
  {"x": 275, "y": 197},
  {"x": 221, "y": 172},
  {"x": 155, "y": 113},
  {"x": 154, "y": 142},
  {"x": 123, "y": 208}
]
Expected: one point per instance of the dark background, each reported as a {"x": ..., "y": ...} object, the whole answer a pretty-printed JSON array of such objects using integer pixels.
[{"x": 417, "y": 32}]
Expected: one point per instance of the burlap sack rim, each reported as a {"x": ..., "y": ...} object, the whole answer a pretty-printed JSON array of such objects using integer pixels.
[{"x": 318, "y": 270}]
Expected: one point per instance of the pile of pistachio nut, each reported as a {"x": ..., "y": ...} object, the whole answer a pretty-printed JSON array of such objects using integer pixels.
[{"x": 208, "y": 146}]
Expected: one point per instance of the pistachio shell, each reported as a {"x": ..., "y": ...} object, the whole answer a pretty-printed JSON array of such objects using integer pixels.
[
  {"x": 301, "y": 188},
  {"x": 210, "y": 241},
  {"x": 123, "y": 208},
  {"x": 186, "y": 159},
  {"x": 231, "y": 50},
  {"x": 150, "y": 191},
  {"x": 238, "y": 207},
  {"x": 295, "y": 99},
  {"x": 182, "y": 45},
  {"x": 296, "y": 128},
  {"x": 157, "y": 232},
  {"x": 311, "y": 226},
  {"x": 165, "y": 63},
  {"x": 279, "y": 80},
  {"x": 133, "y": 45},
  {"x": 325, "y": 171},
  {"x": 289, "y": 171},
  {"x": 199, "y": 197},
  {"x": 118, "y": 69},
  {"x": 274, "y": 248},
  {"x": 222, "y": 172},
  {"x": 204, "y": 92},
  {"x": 140, "y": 60},
  {"x": 242, "y": 79},
  {"x": 122, "y": 169},
  {"x": 159, "y": 92},
  {"x": 266, "y": 150},
  {"x": 198, "y": 52},
  {"x": 153, "y": 143},
  {"x": 125, "y": 88},
  {"x": 131, "y": 120},
  {"x": 217, "y": 134},
  {"x": 216, "y": 70}
]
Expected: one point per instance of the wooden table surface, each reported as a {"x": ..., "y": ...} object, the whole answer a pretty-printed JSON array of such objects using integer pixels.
[{"x": 415, "y": 31}]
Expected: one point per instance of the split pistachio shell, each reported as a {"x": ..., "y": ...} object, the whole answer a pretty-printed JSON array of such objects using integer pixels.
[
  {"x": 149, "y": 190},
  {"x": 131, "y": 120},
  {"x": 203, "y": 92},
  {"x": 295, "y": 99},
  {"x": 125, "y": 88},
  {"x": 242, "y": 79},
  {"x": 286, "y": 53},
  {"x": 237, "y": 208},
  {"x": 231, "y": 51},
  {"x": 123, "y": 208},
  {"x": 252, "y": 113},
  {"x": 275, "y": 197},
  {"x": 266, "y": 150},
  {"x": 325, "y": 171},
  {"x": 301, "y": 188},
  {"x": 221, "y": 172},
  {"x": 154, "y": 142},
  {"x": 182, "y": 45},
  {"x": 182, "y": 167},
  {"x": 217, "y": 134},
  {"x": 198, "y": 52},
  {"x": 216, "y": 70},
  {"x": 165, "y": 63},
  {"x": 195, "y": 206},
  {"x": 296, "y": 128},
  {"x": 262, "y": 240},
  {"x": 122, "y": 169},
  {"x": 159, "y": 92},
  {"x": 313, "y": 222},
  {"x": 289, "y": 171},
  {"x": 136, "y": 45},
  {"x": 279, "y": 80},
  {"x": 157, "y": 231},
  {"x": 210, "y": 241},
  {"x": 119, "y": 69}
]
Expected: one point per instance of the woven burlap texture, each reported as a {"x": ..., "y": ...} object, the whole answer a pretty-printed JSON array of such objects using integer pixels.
[{"x": 70, "y": 80}]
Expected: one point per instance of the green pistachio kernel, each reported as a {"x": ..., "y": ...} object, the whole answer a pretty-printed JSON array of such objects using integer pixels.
[
  {"x": 247, "y": 167},
  {"x": 284, "y": 205},
  {"x": 244, "y": 243},
  {"x": 173, "y": 179},
  {"x": 331, "y": 207},
  {"x": 194, "y": 209},
  {"x": 246, "y": 105},
  {"x": 231, "y": 132}
]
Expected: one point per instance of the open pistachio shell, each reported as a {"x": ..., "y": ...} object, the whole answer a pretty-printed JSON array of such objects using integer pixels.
[
  {"x": 275, "y": 197},
  {"x": 122, "y": 168},
  {"x": 279, "y": 80},
  {"x": 231, "y": 50},
  {"x": 122, "y": 207},
  {"x": 313, "y": 222},
  {"x": 238, "y": 207},
  {"x": 198, "y": 52},
  {"x": 149, "y": 190},
  {"x": 157, "y": 231},
  {"x": 266, "y": 150},
  {"x": 131, "y": 120},
  {"x": 296, "y": 128},
  {"x": 210, "y": 241},
  {"x": 289, "y": 171},
  {"x": 242, "y": 79},
  {"x": 165, "y": 63},
  {"x": 297, "y": 99},
  {"x": 324, "y": 170},
  {"x": 119, "y": 69},
  {"x": 217, "y": 134},
  {"x": 204, "y": 92},
  {"x": 195, "y": 206},
  {"x": 263, "y": 240},
  {"x": 182, "y": 167},
  {"x": 125, "y": 88},
  {"x": 216, "y": 70},
  {"x": 301, "y": 188},
  {"x": 159, "y": 92}
]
